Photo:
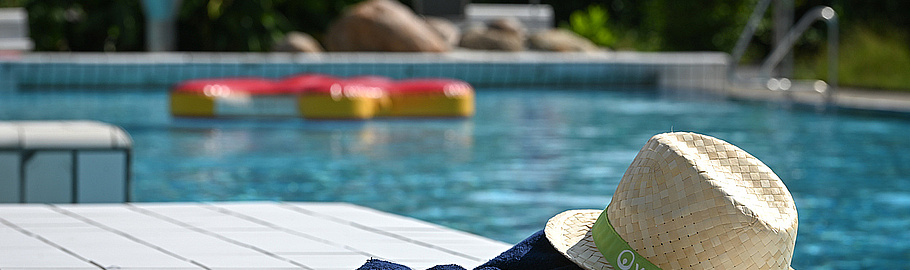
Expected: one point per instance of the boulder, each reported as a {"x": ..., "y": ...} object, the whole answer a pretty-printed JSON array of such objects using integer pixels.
[
  {"x": 509, "y": 25},
  {"x": 499, "y": 35},
  {"x": 382, "y": 25},
  {"x": 446, "y": 30},
  {"x": 561, "y": 40},
  {"x": 297, "y": 42}
]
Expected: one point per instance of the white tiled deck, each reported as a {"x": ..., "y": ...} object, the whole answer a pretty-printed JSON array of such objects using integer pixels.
[{"x": 261, "y": 235}]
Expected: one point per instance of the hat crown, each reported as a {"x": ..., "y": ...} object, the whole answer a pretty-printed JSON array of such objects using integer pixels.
[{"x": 690, "y": 201}]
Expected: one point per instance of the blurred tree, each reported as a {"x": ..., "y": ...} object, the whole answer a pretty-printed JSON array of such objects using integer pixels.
[
  {"x": 248, "y": 25},
  {"x": 591, "y": 23},
  {"x": 203, "y": 25},
  {"x": 87, "y": 25},
  {"x": 244, "y": 25},
  {"x": 313, "y": 16},
  {"x": 663, "y": 24},
  {"x": 880, "y": 14},
  {"x": 227, "y": 25},
  {"x": 697, "y": 25},
  {"x": 12, "y": 3}
]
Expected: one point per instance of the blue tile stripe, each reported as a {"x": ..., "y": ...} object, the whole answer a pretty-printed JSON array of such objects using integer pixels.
[{"x": 497, "y": 70}]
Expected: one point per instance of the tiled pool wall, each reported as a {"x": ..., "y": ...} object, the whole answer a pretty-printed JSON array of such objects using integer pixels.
[{"x": 696, "y": 70}]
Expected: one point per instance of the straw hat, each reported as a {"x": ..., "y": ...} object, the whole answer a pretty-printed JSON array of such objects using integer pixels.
[{"x": 688, "y": 201}]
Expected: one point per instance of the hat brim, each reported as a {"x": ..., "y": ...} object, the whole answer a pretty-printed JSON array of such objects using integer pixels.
[{"x": 570, "y": 233}]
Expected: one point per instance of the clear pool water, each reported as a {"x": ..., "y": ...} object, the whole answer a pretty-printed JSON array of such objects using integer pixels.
[{"x": 527, "y": 155}]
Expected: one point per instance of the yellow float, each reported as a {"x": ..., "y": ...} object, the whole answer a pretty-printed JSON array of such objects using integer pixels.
[
  {"x": 231, "y": 98},
  {"x": 354, "y": 98},
  {"x": 316, "y": 96},
  {"x": 429, "y": 98}
]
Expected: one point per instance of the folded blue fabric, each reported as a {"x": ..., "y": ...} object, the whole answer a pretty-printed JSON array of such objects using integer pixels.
[{"x": 533, "y": 253}]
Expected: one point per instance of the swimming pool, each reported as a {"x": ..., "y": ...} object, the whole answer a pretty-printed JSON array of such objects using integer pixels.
[{"x": 527, "y": 155}]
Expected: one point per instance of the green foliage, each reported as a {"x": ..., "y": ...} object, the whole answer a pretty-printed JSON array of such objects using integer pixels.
[
  {"x": 11, "y": 3},
  {"x": 202, "y": 25},
  {"x": 591, "y": 23},
  {"x": 86, "y": 25},
  {"x": 240, "y": 25},
  {"x": 666, "y": 25},
  {"x": 867, "y": 59},
  {"x": 226, "y": 25},
  {"x": 712, "y": 25}
]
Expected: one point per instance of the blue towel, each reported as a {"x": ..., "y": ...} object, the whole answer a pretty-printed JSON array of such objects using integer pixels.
[{"x": 533, "y": 253}]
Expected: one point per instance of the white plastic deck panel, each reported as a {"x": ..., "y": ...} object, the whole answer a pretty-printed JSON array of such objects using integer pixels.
[{"x": 257, "y": 235}]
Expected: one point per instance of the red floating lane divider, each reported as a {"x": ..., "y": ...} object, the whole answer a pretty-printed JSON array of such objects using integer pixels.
[
  {"x": 307, "y": 82},
  {"x": 229, "y": 97},
  {"x": 228, "y": 86},
  {"x": 353, "y": 98},
  {"x": 318, "y": 96}
]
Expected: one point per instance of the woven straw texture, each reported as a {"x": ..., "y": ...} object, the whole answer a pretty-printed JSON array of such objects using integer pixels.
[
  {"x": 690, "y": 201},
  {"x": 570, "y": 233}
]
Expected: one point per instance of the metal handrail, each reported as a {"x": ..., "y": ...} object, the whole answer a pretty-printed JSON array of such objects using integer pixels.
[
  {"x": 822, "y": 13},
  {"x": 746, "y": 37}
]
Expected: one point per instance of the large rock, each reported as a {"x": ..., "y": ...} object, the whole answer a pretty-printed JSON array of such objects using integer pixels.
[
  {"x": 297, "y": 42},
  {"x": 509, "y": 25},
  {"x": 561, "y": 40},
  {"x": 499, "y": 35},
  {"x": 446, "y": 30},
  {"x": 382, "y": 25}
]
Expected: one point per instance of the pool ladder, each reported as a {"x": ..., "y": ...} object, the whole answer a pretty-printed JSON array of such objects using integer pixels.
[{"x": 765, "y": 78}]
